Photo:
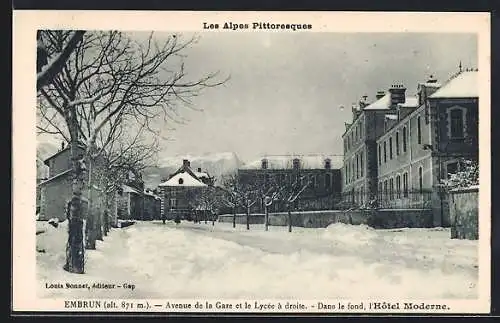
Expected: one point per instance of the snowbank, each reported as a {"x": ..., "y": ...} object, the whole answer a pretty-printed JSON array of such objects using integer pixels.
[
  {"x": 200, "y": 260},
  {"x": 350, "y": 234}
]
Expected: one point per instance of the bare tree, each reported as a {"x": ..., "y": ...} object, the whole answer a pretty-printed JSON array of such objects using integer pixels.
[
  {"x": 241, "y": 194},
  {"x": 231, "y": 195},
  {"x": 110, "y": 80},
  {"x": 122, "y": 155},
  {"x": 270, "y": 195},
  {"x": 47, "y": 70},
  {"x": 290, "y": 196}
]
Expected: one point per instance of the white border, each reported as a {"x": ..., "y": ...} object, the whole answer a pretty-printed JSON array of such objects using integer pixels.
[{"x": 26, "y": 22}]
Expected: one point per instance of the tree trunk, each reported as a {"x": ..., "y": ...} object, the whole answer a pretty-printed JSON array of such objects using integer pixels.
[
  {"x": 75, "y": 251},
  {"x": 248, "y": 218},
  {"x": 90, "y": 227},
  {"x": 289, "y": 218},
  {"x": 266, "y": 218},
  {"x": 99, "y": 226},
  {"x": 234, "y": 217},
  {"x": 106, "y": 222}
]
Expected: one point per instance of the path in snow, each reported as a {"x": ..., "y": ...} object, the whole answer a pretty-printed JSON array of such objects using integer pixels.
[{"x": 204, "y": 261}]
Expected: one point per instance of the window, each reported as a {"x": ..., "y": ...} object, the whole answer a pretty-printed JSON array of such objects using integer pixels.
[
  {"x": 181, "y": 181},
  {"x": 390, "y": 147},
  {"x": 385, "y": 188},
  {"x": 419, "y": 131},
  {"x": 404, "y": 138},
  {"x": 296, "y": 163},
  {"x": 456, "y": 122},
  {"x": 356, "y": 132},
  {"x": 379, "y": 154},
  {"x": 264, "y": 163},
  {"x": 380, "y": 189},
  {"x": 451, "y": 168},
  {"x": 405, "y": 184},
  {"x": 361, "y": 163},
  {"x": 353, "y": 170},
  {"x": 385, "y": 151},
  {"x": 391, "y": 188},
  {"x": 357, "y": 166},
  {"x": 328, "y": 180},
  {"x": 420, "y": 179},
  {"x": 397, "y": 143},
  {"x": 346, "y": 173},
  {"x": 173, "y": 203},
  {"x": 398, "y": 186}
]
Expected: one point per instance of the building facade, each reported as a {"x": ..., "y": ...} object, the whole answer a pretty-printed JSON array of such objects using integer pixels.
[
  {"x": 181, "y": 191},
  {"x": 322, "y": 172},
  {"x": 360, "y": 168},
  {"x": 56, "y": 190},
  {"x": 421, "y": 143}
]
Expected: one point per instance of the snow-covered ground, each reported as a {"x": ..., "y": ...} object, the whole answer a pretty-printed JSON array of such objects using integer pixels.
[{"x": 201, "y": 260}]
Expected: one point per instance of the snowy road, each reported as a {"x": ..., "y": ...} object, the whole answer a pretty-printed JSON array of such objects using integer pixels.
[{"x": 201, "y": 260}]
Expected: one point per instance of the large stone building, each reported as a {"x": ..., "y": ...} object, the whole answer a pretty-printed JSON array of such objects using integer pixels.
[
  {"x": 419, "y": 143},
  {"x": 360, "y": 171},
  {"x": 323, "y": 172}
]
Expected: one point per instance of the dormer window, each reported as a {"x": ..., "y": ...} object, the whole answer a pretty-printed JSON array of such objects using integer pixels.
[
  {"x": 328, "y": 163},
  {"x": 264, "y": 163},
  {"x": 296, "y": 163},
  {"x": 181, "y": 181}
]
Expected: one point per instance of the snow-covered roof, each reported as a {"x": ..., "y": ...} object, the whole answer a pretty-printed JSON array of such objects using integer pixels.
[
  {"x": 463, "y": 85},
  {"x": 410, "y": 102},
  {"x": 286, "y": 162},
  {"x": 183, "y": 179},
  {"x": 54, "y": 177},
  {"x": 382, "y": 103},
  {"x": 129, "y": 189},
  {"x": 201, "y": 174}
]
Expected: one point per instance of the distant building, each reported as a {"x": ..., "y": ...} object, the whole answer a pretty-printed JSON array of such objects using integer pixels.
[
  {"x": 323, "y": 172},
  {"x": 415, "y": 144},
  {"x": 179, "y": 192}
]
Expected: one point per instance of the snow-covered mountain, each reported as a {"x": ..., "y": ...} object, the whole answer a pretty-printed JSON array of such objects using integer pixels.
[{"x": 215, "y": 164}]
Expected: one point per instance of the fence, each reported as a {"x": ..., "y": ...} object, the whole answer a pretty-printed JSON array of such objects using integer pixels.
[{"x": 393, "y": 200}]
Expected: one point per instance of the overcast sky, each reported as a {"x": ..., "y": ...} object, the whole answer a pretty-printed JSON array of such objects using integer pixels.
[{"x": 286, "y": 88}]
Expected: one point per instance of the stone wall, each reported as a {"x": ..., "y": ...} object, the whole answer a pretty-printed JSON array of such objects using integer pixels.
[
  {"x": 383, "y": 219},
  {"x": 463, "y": 206}
]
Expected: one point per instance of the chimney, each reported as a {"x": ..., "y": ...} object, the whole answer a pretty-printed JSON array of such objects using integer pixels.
[
  {"x": 397, "y": 92},
  {"x": 199, "y": 169},
  {"x": 186, "y": 163},
  {"x": 427, "y": 89},
  {"x": 379, "y": 95}
]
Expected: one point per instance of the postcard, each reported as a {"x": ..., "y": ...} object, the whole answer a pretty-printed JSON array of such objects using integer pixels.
[{"x": 251, "y": 162}]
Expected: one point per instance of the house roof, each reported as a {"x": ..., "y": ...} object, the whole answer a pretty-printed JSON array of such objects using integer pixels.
[
  {"x": 462, "y": 85},
  {"x": 410, "y": 102},
  {"x": 182, "y": 179},
  {"x": 382, "y": 103},
  {"x": 129, "y": 189},
  {"x": 286, "y": 162},
  {"x": 46, "y": 161},
  {"x": 55, "y": 177}
]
